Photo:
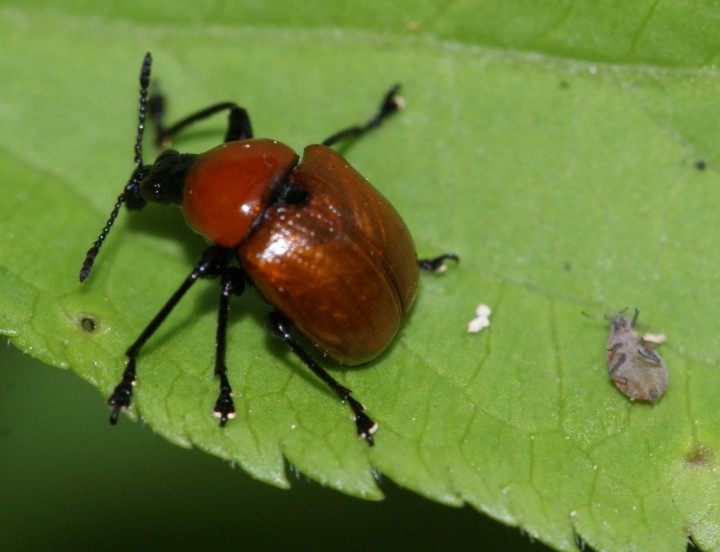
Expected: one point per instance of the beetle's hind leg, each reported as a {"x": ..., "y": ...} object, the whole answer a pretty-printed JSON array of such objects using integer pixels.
[
  {"x": 282, "y": 328},
  {"x": 437, "y": 264},
  {"x": 391, "y": 102}
]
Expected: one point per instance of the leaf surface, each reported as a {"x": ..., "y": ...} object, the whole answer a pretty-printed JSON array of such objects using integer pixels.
[{"x": 567, "y": 153}]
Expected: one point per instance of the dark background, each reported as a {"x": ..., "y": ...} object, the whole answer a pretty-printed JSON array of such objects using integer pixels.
[{"x": 70, "y": 481}]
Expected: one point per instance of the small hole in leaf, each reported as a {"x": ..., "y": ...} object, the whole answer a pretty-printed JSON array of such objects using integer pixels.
[
  {"x": 87, "y": 323},
  {"x": 700, "y": 165}
]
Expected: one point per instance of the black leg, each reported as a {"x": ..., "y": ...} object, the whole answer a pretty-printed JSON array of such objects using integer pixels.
[
  {"x": 390, "y": 104},
  {"x": 239, "y": 127},
  {"x": 437, "y": 264},
  {"x": 213, "y": 262},
  {"x": 232, "y": 283},
  {"x": 580, "y": 544},
  {"x": 621, "y": 358},
  {"x": 281, "y": 326}
]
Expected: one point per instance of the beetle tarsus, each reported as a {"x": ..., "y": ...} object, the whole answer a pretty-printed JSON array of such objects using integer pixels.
[
  {"x": 391, "y": 103},
  {"x": 437, "y": 264},
  {"x": 366, "y": 426},
  {"x": 224, "y": 407},
  {"x": 122, "y": 394}
]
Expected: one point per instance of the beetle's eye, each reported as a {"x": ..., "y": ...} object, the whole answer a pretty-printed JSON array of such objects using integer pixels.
[{"x": 150, "y": 189}]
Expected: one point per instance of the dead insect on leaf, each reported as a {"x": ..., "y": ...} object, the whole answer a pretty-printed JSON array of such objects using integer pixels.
[{"x": 633, "y": 364}]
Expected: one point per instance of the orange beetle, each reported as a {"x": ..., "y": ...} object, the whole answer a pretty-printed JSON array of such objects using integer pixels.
[{"x": 321, "y": 245}]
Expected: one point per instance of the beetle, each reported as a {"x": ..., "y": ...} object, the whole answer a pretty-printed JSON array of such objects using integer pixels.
[{"x": 328, "y": 253}]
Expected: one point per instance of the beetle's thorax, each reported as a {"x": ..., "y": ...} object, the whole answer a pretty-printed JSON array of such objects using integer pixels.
[{"x": 227, "y": 187}]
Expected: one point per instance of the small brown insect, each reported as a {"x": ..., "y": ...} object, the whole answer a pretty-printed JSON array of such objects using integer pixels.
[{"x": 634, "y": 366}]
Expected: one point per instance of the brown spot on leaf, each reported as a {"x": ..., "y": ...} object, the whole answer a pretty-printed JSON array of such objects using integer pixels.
[{"x": 700, "y": 457}]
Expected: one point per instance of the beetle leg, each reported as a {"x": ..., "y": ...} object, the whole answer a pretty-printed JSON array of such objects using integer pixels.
[
  {"x": 239, "y": 127},
  {"x": 365, "y": 425},
  {"x": 437, "y": 264},
  {"x": 232, "y": 283},
  {"x": 621, "y": 358},
  {"x": 390, "y": 104},
  {"x": 213, "y": 262},
  {"x": 648, "y": 354},
  {"x": 615, "y": 347},
  {"x": 580, "y": 544}
]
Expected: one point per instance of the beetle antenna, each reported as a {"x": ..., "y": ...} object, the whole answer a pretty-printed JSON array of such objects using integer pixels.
[{"x": 132, "y": 188}]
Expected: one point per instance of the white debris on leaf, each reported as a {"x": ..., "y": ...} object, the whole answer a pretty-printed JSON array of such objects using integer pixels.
[
  {"x": 657, "y": 339},
  {"x": 482, "y": 319}
]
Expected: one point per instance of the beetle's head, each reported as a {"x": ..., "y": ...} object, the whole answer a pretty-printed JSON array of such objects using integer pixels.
[{"x": 162, "y": 182}]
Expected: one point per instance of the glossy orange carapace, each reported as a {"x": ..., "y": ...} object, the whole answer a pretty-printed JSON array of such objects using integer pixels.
[{"x": 340, "y": 264}]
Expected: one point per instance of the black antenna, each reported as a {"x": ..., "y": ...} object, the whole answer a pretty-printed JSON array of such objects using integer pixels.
[{"x": 132, "y": 188}]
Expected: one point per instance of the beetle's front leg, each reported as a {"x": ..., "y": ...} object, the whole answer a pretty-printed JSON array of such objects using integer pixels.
[
  {"x": 232, "y": 283},
  {"x": 213, "y": 262}
]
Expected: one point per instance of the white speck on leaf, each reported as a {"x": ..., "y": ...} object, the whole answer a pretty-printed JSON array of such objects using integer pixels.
[{"x": 482, "y": 319}]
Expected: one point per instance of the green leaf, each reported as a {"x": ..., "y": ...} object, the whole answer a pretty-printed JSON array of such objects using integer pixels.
[{"x": 554, "y": 147}]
